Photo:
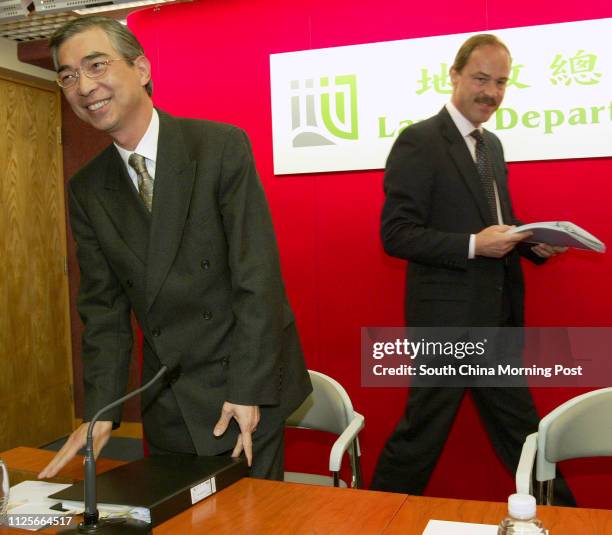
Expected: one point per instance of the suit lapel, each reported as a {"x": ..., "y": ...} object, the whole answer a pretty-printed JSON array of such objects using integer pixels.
[
  {"x": 465, "y": 163},
  {"x": 120, "y": 200},
  {"x": 174, "y": 177}
]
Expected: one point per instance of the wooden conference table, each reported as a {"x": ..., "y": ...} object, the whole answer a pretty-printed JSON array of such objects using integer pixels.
[{"x": 256, "y": 507}]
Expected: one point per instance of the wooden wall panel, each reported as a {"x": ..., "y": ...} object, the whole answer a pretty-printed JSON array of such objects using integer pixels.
[{"x": 36, "y": 383}]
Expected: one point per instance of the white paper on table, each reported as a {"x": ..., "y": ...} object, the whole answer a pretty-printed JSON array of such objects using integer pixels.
[
  {"x": 32, "y": 497},
  {"x": 443, "y": 527},
  {"x": 108, "y": 510}
]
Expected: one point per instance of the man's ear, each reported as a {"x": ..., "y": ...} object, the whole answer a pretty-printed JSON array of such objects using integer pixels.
[
  {"x": 453, "y": 76},
  {"x": 143, "y": 65}
]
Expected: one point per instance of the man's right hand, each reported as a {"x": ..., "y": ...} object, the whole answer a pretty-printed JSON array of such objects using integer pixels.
[
  {"x": 495, "y": 242},
  {"x": 76, "y": 441}
]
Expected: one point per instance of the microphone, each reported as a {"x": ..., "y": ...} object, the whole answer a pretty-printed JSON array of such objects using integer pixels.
[{"x": 91, "y": 518}]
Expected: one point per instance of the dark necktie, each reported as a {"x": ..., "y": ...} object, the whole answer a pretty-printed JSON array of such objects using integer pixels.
[
  {"x": 485, "y": 171},
  {"x": 145, "y": 181}
]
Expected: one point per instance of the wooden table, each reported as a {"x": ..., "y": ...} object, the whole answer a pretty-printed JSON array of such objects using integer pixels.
[
  {"x": 255, "y": 507},
  {"x": 416, "y": 511}
]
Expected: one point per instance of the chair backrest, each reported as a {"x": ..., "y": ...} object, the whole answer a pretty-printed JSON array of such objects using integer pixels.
[
  {"x": 580, "y": 427},
  {"x": 328, "y": 408}
]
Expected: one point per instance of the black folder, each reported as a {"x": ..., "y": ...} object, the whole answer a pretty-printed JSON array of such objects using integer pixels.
[{"x": 163, "y": 484}]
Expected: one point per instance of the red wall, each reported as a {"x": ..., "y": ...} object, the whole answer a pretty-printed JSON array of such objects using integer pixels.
[{"x": 211, "y": 60}]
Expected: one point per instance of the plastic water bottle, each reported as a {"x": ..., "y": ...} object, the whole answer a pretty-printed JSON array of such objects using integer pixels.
[
  {"x": 4, "y": 491},
  {"x": 521, "y": 518}
]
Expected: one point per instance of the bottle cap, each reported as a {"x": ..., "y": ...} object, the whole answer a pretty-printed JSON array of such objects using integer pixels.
[{"x": 522, "y": 506}]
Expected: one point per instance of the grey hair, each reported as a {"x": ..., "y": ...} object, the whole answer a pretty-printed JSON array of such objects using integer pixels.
[{"x": 123, "y": 40}]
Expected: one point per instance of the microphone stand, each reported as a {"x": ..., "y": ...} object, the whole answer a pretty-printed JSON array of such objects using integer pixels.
[{"x": 91, "y": 519}]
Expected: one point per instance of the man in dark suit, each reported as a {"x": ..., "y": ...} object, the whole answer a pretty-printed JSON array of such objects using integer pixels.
[
  {"x": 447, "y": 211},
  {"x": 171, "y": 221}
]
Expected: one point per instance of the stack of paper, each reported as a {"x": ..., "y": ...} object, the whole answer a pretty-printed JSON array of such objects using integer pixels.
[
  {"x": 561, "y": 233},
  {"x": 29, "y": 498}
]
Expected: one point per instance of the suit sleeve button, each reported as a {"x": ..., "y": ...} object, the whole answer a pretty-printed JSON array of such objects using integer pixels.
[
  {"x": 205, "y": 264},
  {"x": 156, "y": 332},
  {"x": 207, "y": 315}
]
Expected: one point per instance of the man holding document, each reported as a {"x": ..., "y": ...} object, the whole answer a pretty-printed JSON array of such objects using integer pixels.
[{"x": 448, "y": 212}]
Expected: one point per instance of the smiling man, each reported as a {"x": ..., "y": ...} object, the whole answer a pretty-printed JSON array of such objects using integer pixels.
[
  {"x": 447, "y": 211},
  {"x": 171, "y": 222}
]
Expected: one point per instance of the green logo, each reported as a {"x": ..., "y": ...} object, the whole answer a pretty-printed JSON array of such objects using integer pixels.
[{"x": 324, "y": 111}]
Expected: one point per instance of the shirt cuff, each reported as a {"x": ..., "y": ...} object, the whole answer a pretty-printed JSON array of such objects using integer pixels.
[{"x": 472, "y": 247}]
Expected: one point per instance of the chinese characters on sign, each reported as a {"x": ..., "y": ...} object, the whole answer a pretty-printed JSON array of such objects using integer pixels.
[
  {"x": 341, "y": 108},
  {"x": 580, "y": 68}
]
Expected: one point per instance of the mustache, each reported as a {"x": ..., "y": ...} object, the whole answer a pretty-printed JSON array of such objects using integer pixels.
[{"x": 485, "y": 99}]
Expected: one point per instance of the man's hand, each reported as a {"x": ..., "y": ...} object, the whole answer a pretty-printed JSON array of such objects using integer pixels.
[
  {"x": 544, "y": 250},
  {"x": 247, "y": 417},
  {"x": 495, "y": 242},
  {"x": 76, "y": 441}
]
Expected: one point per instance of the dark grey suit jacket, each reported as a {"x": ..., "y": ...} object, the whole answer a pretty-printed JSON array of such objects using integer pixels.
[
  {"x": 434, "y": 201},
  {"x": 201, "y": 273}
]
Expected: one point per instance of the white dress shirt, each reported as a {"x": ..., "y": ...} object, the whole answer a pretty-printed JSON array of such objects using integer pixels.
[
  {"x": 146, "y": 147},
  {"x": 465, "y": 128}
]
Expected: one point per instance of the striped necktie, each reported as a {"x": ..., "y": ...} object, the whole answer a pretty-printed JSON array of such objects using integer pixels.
[
  {"x": 145, "y": 181},
  {"x": 485, "y": 171}
]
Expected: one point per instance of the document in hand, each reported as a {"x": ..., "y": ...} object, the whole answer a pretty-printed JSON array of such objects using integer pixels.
[
  {"x": 160, "y": 486},
  {"x": 561, "y": 233}
]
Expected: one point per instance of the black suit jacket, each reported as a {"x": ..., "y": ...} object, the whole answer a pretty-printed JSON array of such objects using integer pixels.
[
  {"x": 202, "y": 274},
  {"x": 434, "y": 201}
]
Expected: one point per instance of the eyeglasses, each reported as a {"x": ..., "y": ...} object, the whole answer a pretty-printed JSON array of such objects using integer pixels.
[{"x": 95, "y": 69}]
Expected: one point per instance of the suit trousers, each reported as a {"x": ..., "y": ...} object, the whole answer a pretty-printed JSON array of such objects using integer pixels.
[
  {"x": 410, "y": 455},
  {"x": 268, "y": 451}
]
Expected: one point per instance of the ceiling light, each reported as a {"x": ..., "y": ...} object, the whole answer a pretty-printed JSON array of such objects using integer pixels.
[{"x": 118, "y": 5}]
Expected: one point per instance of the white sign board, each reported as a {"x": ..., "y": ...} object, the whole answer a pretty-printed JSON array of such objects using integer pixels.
[{"x": 338, "y": 109}]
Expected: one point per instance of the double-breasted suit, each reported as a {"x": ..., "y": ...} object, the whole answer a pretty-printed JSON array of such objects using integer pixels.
[{"x": 202, "y": 274}]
